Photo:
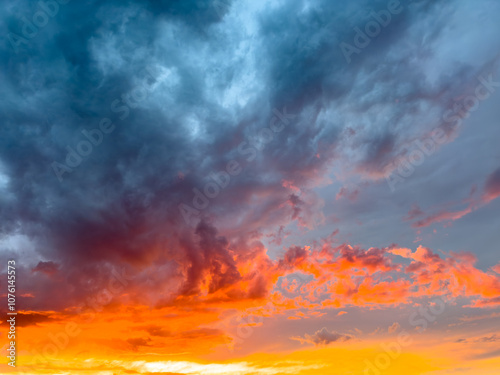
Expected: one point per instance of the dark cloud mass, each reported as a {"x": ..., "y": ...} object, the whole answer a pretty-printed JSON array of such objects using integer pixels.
[{"x": 114, "y": 112}]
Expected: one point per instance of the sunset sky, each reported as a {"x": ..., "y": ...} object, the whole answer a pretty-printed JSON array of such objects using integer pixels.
[{"x": 251, "y": 187}]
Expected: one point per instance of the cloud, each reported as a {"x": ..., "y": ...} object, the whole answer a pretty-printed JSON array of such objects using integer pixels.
[
  {"x": 496, "y": 268},
  {"x": 491, "y": 192},
  {"x": 492, "y": 186},
  {"x": 492, "y": 338},
  {"x": 447, "y": 216},
  {"x": 323, "y": 337},
  {"x": 218, "y": 73},
  {"x": 414, "y": 212},
  {"x": 138, "y": 342},
  {"x": 293, "y": 257},
  {"x": 120, "y": 206},
  {"x": 214, "y": 259},
  {"x": 345, "y": 193},
  {"x": 487, "y": 355},
  {"x": 48, "y": 268},
  {"x": 31, "y": 318},
  {"x": 393, "y": 328}
]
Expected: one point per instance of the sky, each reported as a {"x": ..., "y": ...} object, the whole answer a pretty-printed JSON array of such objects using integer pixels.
[{"x": 240, "y": 187}]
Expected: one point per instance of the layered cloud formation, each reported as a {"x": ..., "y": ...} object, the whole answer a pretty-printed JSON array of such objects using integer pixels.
[{"x": 199, "y": 160}]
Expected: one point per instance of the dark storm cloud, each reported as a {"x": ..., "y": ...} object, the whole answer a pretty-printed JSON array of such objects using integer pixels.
[
  {"x": 212, "y": 85},
  {"x": 209, "y": 255},
  {"x": 69, "y": 82}
]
